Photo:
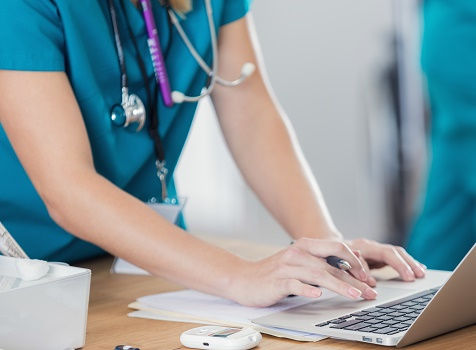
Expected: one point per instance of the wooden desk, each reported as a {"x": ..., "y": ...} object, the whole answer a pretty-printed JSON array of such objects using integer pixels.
[{"x": 108, "y": 324}]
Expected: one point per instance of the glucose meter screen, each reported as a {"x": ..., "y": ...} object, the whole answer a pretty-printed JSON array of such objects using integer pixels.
[{"x": 226, "y": 332}]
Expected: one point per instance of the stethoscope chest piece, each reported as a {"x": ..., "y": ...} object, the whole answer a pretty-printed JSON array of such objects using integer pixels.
[{"x": 131, "y": 110}]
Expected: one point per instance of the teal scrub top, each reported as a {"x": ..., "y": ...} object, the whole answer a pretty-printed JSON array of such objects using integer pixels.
[
  {"x": 449, "y": 42},
  {"x": 77, "y": 37},
  {"x": 449, "y": 63},
  {"x": 446, "y": 226}
]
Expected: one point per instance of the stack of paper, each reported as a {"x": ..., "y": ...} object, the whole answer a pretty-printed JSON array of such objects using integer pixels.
[{"x": 195, "y": 307}]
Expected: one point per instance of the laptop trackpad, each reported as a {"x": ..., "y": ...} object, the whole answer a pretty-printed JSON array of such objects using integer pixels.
[{"x": 328, "y": 306}]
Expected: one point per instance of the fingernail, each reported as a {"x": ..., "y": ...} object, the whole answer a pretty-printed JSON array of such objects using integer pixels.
[
  {"x": 363, "y": 275},
  {"x": 370, "y": 293},
  {"x": 316, "y": 293},
  {"x": 354, "y": 293},
  {"x": 372, "y": 281},
  {"x": 421, "y": 271}
]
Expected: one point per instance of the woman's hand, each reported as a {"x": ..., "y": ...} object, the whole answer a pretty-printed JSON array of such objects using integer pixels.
[
  {"x": 375, "y": 255},
  {"x": 297, "y": 270}
]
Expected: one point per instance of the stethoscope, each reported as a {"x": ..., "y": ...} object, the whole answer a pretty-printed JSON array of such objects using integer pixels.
[{"x": 131, "y": 109}]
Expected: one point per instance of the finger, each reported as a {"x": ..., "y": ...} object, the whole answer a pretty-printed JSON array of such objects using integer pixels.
[
  {"x": 371, "y": 280},
  {"x": 416, "y": 267},
  {"x": 330, "y": 282},
  {"x": 319, "y": 275},
  {"x": 325, "y": 248},
  {"x": 391, "y": 256},
  {"x": 367, "y": 292},
  {"x": 295, "y": 287},
  {"x": 315, "y": 272},
  {"x": 387, "y": 254}
]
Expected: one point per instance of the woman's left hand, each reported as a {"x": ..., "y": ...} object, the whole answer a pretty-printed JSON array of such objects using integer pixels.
[{"x": 375, "y": 255}]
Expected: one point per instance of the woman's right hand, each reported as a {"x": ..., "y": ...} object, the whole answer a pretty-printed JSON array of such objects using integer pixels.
[{"x": 298, "y": 270}]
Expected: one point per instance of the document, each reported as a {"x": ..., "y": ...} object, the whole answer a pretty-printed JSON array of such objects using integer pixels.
[{"x": 196, "y": 307}]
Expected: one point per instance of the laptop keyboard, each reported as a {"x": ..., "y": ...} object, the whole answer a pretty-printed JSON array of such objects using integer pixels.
[{"x": 389, "y": 318}]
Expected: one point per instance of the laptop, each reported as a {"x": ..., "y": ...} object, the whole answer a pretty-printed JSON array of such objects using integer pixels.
[{"x": 403, "y": 313}]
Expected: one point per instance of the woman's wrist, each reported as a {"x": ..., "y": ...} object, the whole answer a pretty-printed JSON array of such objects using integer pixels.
[{"x": 239, "y": 277}]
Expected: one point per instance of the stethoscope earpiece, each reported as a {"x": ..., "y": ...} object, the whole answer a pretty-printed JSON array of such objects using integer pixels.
[{"x": 248, "y": 69}]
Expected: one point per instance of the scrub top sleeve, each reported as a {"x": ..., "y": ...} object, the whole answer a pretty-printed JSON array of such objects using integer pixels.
[
  {"x": 31, "y": 36},
  {"x": 234, "y": 10}
]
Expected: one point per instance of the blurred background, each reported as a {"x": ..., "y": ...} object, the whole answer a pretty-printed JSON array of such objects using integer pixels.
[{"x": 348, "y": 75}]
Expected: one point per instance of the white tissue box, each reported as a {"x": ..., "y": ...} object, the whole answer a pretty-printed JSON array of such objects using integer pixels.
[{"x": 46, "y": 314}]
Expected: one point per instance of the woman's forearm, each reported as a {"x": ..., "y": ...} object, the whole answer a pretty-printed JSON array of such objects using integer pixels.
[
  {"x": 97, "y": 211},
  {"x": 275, "y": 168},
  {"x": 262, "y": 144}
]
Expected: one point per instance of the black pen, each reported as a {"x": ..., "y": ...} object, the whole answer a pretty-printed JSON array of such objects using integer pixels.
[{"x": 338, "y": 263}]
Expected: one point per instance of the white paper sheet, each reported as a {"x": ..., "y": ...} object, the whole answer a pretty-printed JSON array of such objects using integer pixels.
[
  {"x": 277, "y": 332},
  {"x": 188, "y": 305}
]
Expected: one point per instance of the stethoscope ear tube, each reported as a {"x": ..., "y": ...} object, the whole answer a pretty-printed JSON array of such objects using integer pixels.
[
  {"x": 132, "y": 110},
  {"x": 247, "y": 69}
]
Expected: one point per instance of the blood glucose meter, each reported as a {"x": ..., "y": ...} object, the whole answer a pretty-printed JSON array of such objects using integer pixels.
[{"x": 220, "y": 338}]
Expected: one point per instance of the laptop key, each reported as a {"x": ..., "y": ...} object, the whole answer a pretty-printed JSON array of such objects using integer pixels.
[
  {"x": 373, "y": 321},
  {"x": 337, "y": 320},
  {"x": 418, "y": 307},
  {"x": 395, "y": 332},
  {"x": 407, "y": 310},
  {"x": 402, "y": 326},
  {"x": 357, "y": 326},
  {"x": 380, "y": 325},
  {"x": 345, "y": 324},
  {"x": 364, "y": 318},
  {"x": 322, "y": 324},
  {"x": 398, "y": 307},
  {"x": 390, "y": 322},
  {"x": 401, "y": 318},
  {"x": 384, "y": 318},
  {"x": 385, "y": 330},
  {"x": 360, "y": 313},
  {"x": 345, "y": 317},
  {"x": 386, "y": 310},
  {"x": 409, "y": 303},
  {"x": 396, "y": 314},
  {"x": 420, "y": 300},
  {"x": 413, "y": 315},
  {"x": 367, "y": 329},
  {"x": 373, "y": 309},
  {"x": 376, "y": 314}
]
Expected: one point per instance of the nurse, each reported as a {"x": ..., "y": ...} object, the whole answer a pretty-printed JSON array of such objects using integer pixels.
[
  {"x": 75, "y": 182},
  {"x": 445, "y": 230}
]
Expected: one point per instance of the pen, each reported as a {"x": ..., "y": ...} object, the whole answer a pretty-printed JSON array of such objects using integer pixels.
[
  {"x": 8, "y": 245},
  {"x": 338, "y": 263}
]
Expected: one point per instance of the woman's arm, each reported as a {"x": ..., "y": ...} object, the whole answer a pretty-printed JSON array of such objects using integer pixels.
[
  {"x": 265, "y": 148},
  {"x": 262, "y": 141},
  {"x": 44, "y": 124},
  {"x": 42, "y": 119}
]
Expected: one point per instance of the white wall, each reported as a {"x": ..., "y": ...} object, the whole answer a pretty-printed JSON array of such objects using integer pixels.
[{"x": 324, "y": 59}]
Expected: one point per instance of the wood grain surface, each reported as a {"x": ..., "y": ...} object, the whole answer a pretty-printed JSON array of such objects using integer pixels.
[{"x": 108, "y": 324}]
